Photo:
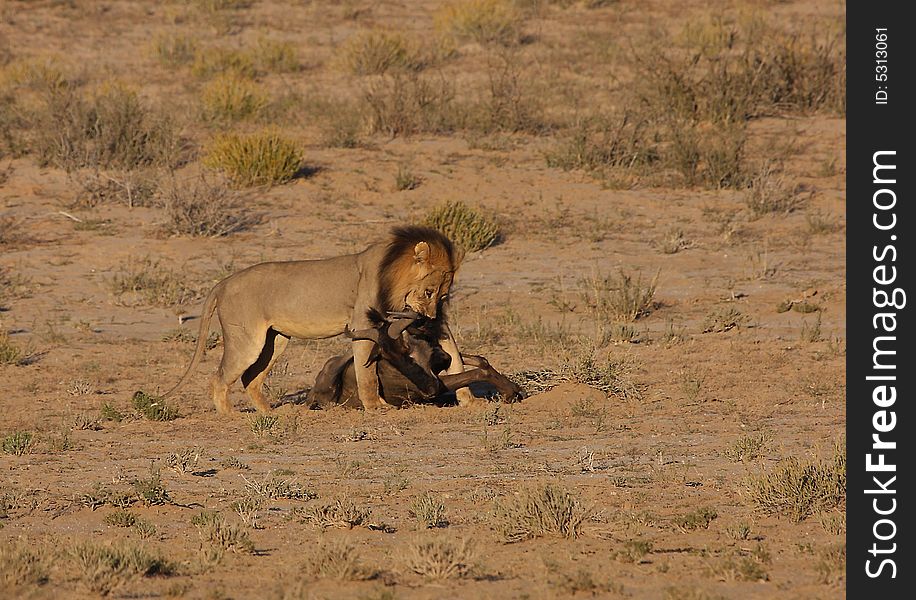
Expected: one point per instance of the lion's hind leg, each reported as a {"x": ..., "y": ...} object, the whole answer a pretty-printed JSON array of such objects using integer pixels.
[
  {"x": 241, "y": 349},
  {"x": 254, "y": 375}
]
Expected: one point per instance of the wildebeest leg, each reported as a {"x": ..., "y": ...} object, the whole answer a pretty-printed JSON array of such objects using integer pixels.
[
  {"x": 456, "y": 367},
  {"x": 329, "y": 381},
  {"x": 483, "y": 373}
]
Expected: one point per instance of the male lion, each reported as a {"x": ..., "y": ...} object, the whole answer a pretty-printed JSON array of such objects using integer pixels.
[{"x": 261, "y": 307}]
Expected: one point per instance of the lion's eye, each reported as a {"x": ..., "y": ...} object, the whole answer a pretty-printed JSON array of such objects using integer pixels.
[{"x": 429, "y": 293}]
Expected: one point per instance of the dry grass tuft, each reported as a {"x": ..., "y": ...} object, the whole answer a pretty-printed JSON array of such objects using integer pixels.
[
  {"x": 175, "y": 50},
  {"x": 428, "y": 511},
  {"x": 204, "y": 209},
  {"x": 104, "y": 569},
  {"x": 481, "y": 21},
  {"x": 441, "y": 558},
  {"x": 22, "y": 565},
  {"x": 229, "y": 98},
  {"x": 341, "y": 513},
  {"x": 111, "y": 129},
  {"x": 262, "y": 158},
  {"x": 376, "y": 52},
  {"x": 10, "y": 354},
  {"x": 147, "y": 281},
  {"x": 18, "y": 443},
  {"x": 539, "y": 511},
  {"x": 221, "y": 536},
  {"x": 799, "y": 489},
  {"x": 465, "y": 226},
  {"x": 769, "y": 193},
  {"x": 153, "y": 408},
  {"x": 335, "y": 559},
  {"x": 405, "y": 104},
  {"x": 621, "y": 297}
]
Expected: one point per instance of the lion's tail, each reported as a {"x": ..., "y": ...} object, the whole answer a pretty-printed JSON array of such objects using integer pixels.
[{"x": 206, "y": 314}]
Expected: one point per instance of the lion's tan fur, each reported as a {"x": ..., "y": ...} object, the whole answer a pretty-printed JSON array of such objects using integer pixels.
[{"x": 263, "y": 306}]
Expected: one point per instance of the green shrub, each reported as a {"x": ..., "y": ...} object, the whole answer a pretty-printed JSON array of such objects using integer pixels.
[
  {"x": 465, "y": 226},
  {"x": 262, "y": 158}
]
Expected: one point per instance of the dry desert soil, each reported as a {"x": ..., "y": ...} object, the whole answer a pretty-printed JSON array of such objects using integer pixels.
[{"x": 668, "y": 284}]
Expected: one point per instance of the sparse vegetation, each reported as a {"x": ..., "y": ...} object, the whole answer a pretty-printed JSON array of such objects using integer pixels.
[
  {"x": 441, "y": 557},
  {"x": 341, "y": 513},
  {"x": 10, "y": 354},
  {"x": 229, "y": 98},
  {"x": 539, "y": 511},
  {"x": 376, "y": 52},
  {"x": 619, "y": 297},
  {"x": 467, "y": 227},
  {"x": 481, "y": 21},
  {"x": 261, "y": 158},
  {"x": 22, "y": 565},
  {"x": 18, "y": 443},
  {"x": 428, "y": 511},
  {"x": 204, "y": 209},
  {"x": 153, "y": 408},
  {"x": 700, "y": 518},
  {"x": 221, "y": 536},
  {"x": 748, "y": 448},
  {"x": 334, "y": 559},
  {"x": 799, "y": 489},
  {"x": 724, "y": 319},
  {"x": 104, "y": 569},
  {"x": 146, "y": 280}
]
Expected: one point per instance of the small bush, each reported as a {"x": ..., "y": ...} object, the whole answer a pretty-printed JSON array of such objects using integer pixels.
[
  {"x": 175, "y": 50},
  {"x": 341, "y": 513},
  {"x": 274, "y": 487},
  {"x": 275, "y": 56},
  {"x": 21, "y": 564},
  {"x": 799, "y": 489},
  {"x": 621, "y": 297},
  {"x": 10, "y": 354},
  {"x": 721, "y": 320},
  {"x": 147, "y": 281},
  {"x": 217, "y": 60},
  {"x": 153, "y": 408},
  {"x": 121, "y": 518},
  {"x": 339, "y": 560},
  {"x": 150, "y": 491},
  {"x": 467, "y": 227},
  {"x": 262, "y": 425},
  {"x": 377, "y": 52},
  {"x": 112, "y": 129},
  {"x": 406, "y": 179},
  {"x": 407, "y": 104},
  {"x": 106, "y": 568},
  {"x": 539, "y": 511},
  {"x": 184, "y": 461},
  {"x": 18, "y": 443},
  {"x": 222, "y": 536},
  {"x": 428, "y": 511},
  {"x": 262, "y": 158},
  {"x": 204, "y": 209},
  {"x": 633, "y": 551},
  {"x": 831, "y": 563},
  {"x": 747, "y": 448},
  {"x": 229, "y": 98},
  {"x": 768, "y": 193},
  {"x": 441, "y": 558},
  {"x": 598, "y": 143},
  {"x": 698, "y": 519},
  {"x": 481, "y": 21}
]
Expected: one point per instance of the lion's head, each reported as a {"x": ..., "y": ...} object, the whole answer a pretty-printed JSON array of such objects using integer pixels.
[{"x": 417, "y": 270}]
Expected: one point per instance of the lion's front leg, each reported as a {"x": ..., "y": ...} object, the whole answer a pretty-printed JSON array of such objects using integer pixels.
[
  {"x": 366, "y": 376},
  {"x": 465, "y": 396}
]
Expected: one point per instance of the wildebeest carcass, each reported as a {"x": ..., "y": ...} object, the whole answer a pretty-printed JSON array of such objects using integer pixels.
[{"x": 409, "y": 362}]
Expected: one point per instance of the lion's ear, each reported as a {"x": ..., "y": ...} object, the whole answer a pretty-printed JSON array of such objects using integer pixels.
[
  {"x": 459, "y": 255},
  {"x": 421, "y": 252}
]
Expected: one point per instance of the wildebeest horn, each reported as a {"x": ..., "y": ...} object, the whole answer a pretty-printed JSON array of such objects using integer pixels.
[
  {"x": 397, "y": 327},
  {"x": 404, "y": 314},
  {"x": 362, "y": 334}
]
